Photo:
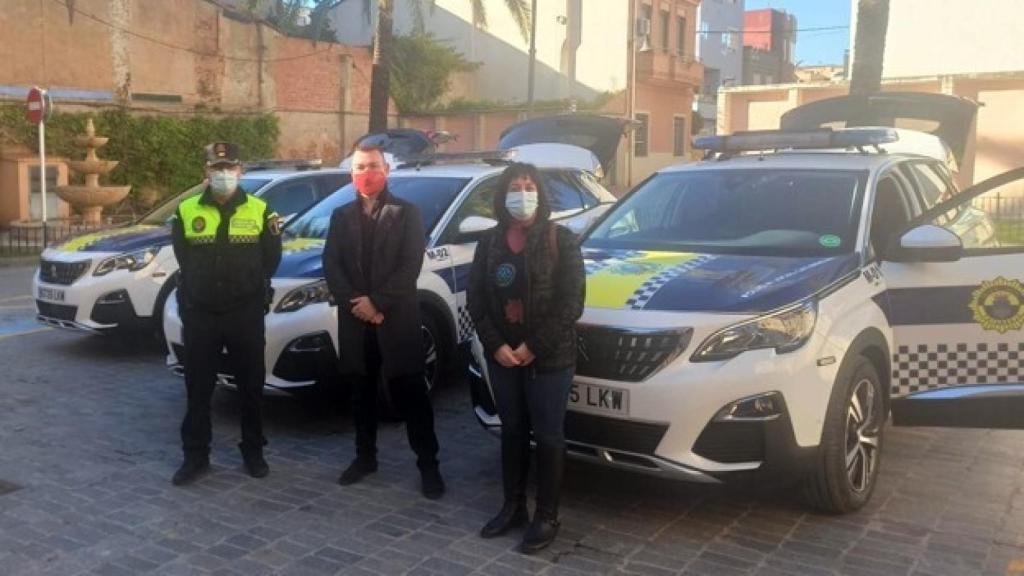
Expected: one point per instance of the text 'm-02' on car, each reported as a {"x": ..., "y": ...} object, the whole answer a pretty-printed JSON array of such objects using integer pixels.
[
  {"x": 454, "y": 194},
  {"x": 766, "y": 309},
  {"x": 117, "y": 279}
]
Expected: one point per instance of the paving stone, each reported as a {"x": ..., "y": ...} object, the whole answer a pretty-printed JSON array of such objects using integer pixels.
[{"x": 107, "y": 507}]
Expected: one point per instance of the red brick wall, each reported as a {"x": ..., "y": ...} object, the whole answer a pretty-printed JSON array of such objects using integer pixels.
[
  {"x": 309, "y": 78},
  {"x": 494, "y": 125},
  {"x": 465, "y": 127}
]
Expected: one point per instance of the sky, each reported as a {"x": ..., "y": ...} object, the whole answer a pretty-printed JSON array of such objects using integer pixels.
[{"x": 824, "y": 47}]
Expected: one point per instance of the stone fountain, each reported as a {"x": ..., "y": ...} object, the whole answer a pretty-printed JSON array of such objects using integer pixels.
[{"x": 90, "y": 198}]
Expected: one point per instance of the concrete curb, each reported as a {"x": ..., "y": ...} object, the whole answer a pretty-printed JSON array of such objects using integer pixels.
[{"x": 18, "y": 261}]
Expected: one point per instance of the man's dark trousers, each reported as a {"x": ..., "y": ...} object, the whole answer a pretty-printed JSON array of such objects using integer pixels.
[
  {"x": 408, "y": 392},
  {"x": 206, "y": 334}
]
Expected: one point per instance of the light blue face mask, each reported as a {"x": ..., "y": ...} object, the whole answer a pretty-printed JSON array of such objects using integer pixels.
[
  {"x": 223, "y": 183},
  {"x": 521, "y": 204}
]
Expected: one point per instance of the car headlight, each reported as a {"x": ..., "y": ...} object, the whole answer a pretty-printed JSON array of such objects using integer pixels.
[
  {"x": 303, "y": 296},
  {"x": 132, "y": 261},
  {"x": 785, "y": 331}
]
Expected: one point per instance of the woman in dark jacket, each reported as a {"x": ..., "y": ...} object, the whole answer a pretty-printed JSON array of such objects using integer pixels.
[{"x": 526, "y": 291}]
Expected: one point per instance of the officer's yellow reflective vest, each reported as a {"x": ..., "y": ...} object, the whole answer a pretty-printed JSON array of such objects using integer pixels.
[{"x": 201, "y": 221}]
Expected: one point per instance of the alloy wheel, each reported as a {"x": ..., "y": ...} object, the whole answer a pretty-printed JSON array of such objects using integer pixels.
[
  {"x": 431, "y": 357},
  {"x": 862, "y": 435}
]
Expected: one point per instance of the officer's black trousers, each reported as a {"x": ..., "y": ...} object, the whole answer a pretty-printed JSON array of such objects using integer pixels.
[
  {"x": 206, "y": 334},
  {"x": 409, "y": 394}
]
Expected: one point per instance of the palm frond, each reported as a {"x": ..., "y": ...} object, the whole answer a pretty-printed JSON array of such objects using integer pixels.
[
  {"x": 419, "y": 20},
  {"x": 520, "y": 11},
  {"x": 479, "y": 11}
]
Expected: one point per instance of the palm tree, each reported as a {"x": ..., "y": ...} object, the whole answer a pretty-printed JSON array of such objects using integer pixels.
[
  {"x": 869, "y": 47},
  {"x": 380, "y": 79}
]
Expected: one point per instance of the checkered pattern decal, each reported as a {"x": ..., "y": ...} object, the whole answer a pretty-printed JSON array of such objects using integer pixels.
[
  {"x": 928, "y": 366},
  {"x": 465, "y": 325},
  {"x": 649, "y": 288}
]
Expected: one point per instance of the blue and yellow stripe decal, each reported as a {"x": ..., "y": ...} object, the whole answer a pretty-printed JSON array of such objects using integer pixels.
[
  {"x": 684, "y": 281},
  {"x": 629, "y": 280},
  {"x": 84, "y": 241},
  {"x": 299, "y": 244}
]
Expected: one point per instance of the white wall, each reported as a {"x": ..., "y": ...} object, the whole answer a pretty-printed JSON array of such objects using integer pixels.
[
  {"x": 938, "y": 37},
  {"x": 504, "y": 52}
]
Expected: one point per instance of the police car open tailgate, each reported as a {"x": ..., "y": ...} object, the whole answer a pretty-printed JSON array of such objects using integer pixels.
[
  {"x": 599, "y": 134},
  {"x": 950, "y": 118}
]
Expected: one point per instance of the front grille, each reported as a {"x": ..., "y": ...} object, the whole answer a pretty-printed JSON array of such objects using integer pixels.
[
  {"x": 628, "y": 355},
  {"x": 730, "y": 442},
  {"x": 64, "y": 273},
  {"x": 626, "y": 435},
  {"x": 56, "y": 311}
]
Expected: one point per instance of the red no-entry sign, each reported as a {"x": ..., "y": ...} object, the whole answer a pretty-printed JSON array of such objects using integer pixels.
[
  {"x": 38, "y": 112},
  {"x": 39, "y": 106}
]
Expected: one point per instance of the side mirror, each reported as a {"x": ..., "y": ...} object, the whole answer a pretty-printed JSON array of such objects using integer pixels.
[
  {"x": 927, "y": 243},
  {"x": 473, "y": 226}
]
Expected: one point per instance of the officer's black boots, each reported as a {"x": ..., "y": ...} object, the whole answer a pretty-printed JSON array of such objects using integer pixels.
[
  {"x": 431, "y": 483},
  {"x": 191, "y": 470},
  {"x": 255, "y": 465},
  {"x": 357, "y": 470}
]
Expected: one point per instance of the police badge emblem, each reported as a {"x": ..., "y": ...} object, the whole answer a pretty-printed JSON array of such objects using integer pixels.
[
  {"x": 999, "y": 305},
  {"x": 198, "y": 224},
  {"x": 274, "y": 224}
]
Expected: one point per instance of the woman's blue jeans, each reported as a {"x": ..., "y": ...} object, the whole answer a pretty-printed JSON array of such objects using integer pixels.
[{"x": 530, "y": 401}]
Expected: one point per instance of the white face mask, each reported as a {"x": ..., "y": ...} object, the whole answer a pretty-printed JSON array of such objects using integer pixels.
[
  {"x": 521, "y": 204},
  {"x": 223, "y": 183}
]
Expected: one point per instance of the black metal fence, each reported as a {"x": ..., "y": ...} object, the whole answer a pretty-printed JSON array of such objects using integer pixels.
[
  {"x": 1007, "y": 214},
  {"x": 30, "y": 238}
]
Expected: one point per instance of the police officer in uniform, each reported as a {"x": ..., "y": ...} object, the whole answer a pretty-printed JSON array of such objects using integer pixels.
[{"x": 228, "y": 245}]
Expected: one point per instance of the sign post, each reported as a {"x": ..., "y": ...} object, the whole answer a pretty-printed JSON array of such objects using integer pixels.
[{"x": 38, "y": 112}]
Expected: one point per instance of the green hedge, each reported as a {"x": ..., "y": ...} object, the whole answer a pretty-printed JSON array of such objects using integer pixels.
[{"x": 161, "y": 153}]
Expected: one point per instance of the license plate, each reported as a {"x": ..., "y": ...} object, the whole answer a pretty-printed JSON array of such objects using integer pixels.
[
  {"x": 595, "y": 398},
  {"x": 51, "y": 294}
]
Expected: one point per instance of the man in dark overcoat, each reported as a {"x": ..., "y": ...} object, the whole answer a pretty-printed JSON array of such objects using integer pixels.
[{"x": 372, "y": 258}]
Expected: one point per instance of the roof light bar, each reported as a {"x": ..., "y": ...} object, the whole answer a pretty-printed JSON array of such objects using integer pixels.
[
  {"x": 487, "y": 156},
  {"x": 777, "y": 139},
  {"x": 282, "y": 164}
]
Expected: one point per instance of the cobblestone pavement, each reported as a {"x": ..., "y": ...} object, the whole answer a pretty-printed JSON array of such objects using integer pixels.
[{"x": 88, "y": 442}]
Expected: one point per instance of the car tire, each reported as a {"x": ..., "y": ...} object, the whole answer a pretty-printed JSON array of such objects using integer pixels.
[
  {"x": 438, "y": 357},
  {"x": 846, "y": 469},
  {"x": 157, "y": 318}
]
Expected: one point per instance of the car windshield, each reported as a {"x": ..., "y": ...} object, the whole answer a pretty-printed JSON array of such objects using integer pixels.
[
  {"x": 162, "y": 214},
  {"x": 431, "y": 195},
  {"x": 741, "y": 211}
]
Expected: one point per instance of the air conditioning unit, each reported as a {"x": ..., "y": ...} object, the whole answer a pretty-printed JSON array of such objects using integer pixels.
[{"x": 643, "y": 26}]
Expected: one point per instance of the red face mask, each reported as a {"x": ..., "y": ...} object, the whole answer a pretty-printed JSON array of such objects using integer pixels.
[{"x": 370, "y": 183}]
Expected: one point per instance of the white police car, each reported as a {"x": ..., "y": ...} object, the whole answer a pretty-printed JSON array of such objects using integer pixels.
[
  {"x": 455, "y": 201},
  {"x": 764, "y": 311},
  {"x": 117, "y": 279}
]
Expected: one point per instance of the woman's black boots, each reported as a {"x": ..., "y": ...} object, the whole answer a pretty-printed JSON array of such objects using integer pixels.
[
  {"x": 515, "y": 465},
  {"x": 512, "y": 515},
  {"x": 544, "y": 528}
]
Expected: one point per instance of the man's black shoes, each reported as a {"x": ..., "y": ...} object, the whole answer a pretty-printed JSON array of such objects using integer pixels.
[
  {"x": 512, "y": 515},
  {"x": 539, "y": 534},
  {"x": 190, "y": 471},
  {"x": 431, "y": 483},
  {"x": 255, "y": 465},
  {"x": 357, "y": 470}
]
